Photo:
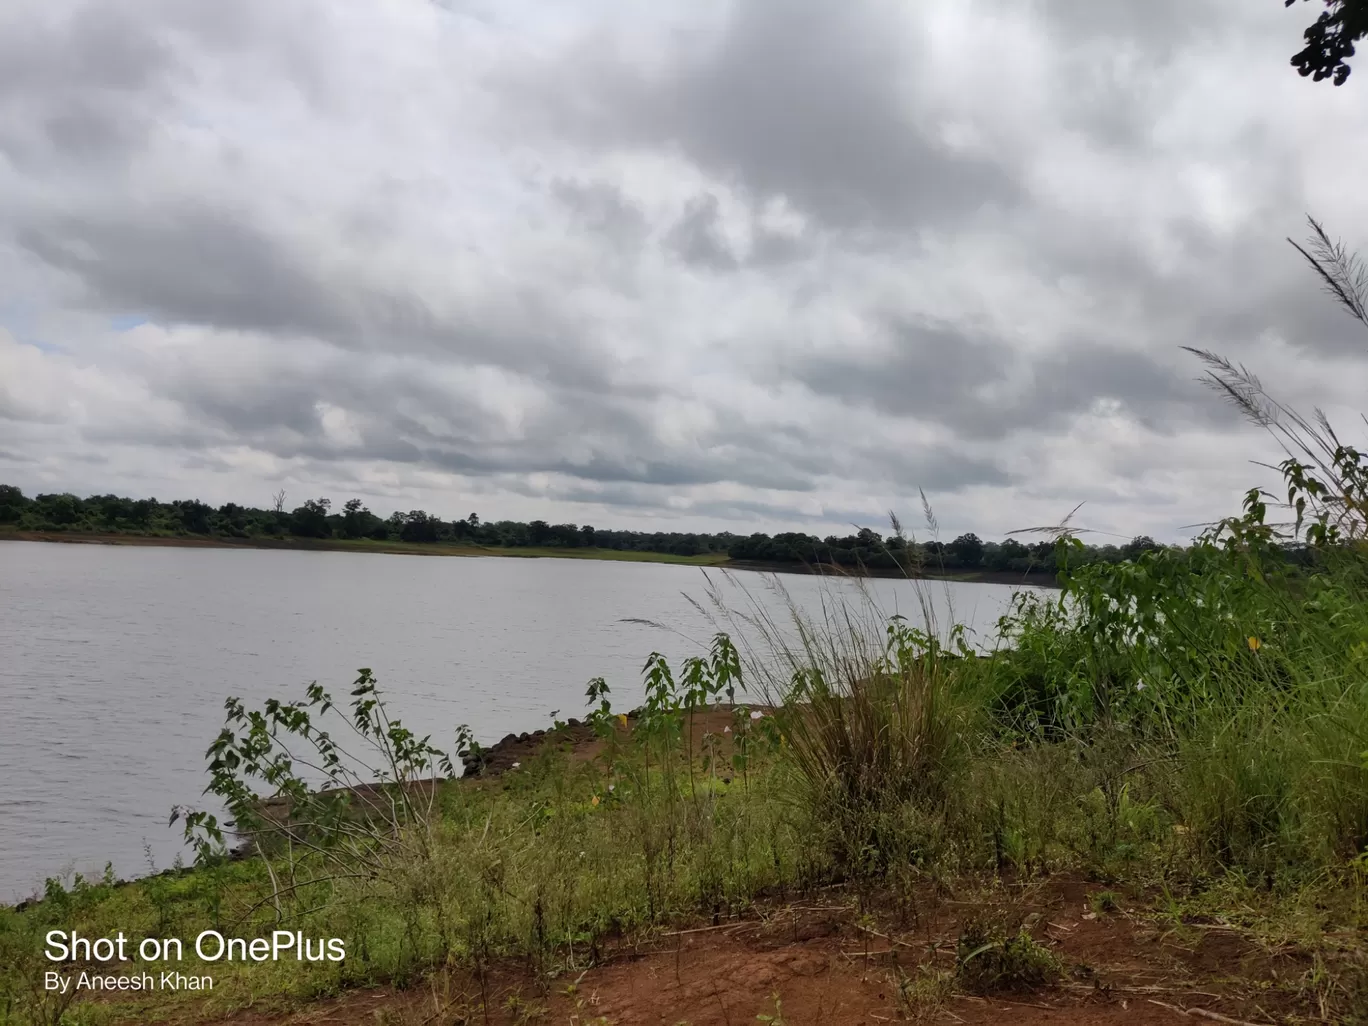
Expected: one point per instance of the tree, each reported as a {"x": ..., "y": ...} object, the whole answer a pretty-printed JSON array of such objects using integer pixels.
[
  {"x": 12, "y": 504},
  {"x": 967, "y": 550},
  {"x": 61, "y": 510},
  {"x": 1330, "y": 40},
  {"x": 1008, "y": 555},
  {"x": 194, "y": 515},
  {"x": 1138, "y": 545},
  {"x": 311, "y": 519},
  {"x": 419, "y": 526},
  {"x": 233, "y": 519},
  {"x": 357, "y": 520}
]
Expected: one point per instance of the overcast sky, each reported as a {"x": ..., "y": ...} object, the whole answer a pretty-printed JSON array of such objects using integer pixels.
[{"x": 765, "y": 265}]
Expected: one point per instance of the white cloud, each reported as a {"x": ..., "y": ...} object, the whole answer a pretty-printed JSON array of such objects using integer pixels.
[{"x": 740, "y": 266}]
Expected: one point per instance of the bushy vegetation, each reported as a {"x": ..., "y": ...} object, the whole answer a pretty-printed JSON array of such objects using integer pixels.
[{"x": 317, "y": 520}]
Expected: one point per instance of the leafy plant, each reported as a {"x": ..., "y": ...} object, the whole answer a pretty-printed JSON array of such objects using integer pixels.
[{"x": 326, "y": 813}]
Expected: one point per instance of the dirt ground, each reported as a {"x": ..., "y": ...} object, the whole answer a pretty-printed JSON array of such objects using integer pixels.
[
  {"x": 817, "y": 962},
  {"x": 579, "y": 739},
  {"x": 820, "y": 961}
]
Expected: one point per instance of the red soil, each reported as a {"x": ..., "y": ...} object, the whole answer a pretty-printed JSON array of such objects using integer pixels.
[
  {"x": 825, "y": 969},
  {"x": 826, "y": 965}
]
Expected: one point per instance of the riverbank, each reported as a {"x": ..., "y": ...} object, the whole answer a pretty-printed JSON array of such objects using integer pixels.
[
  {"x": 1063, "y": 945},
  {"x": 397, "y": 548},
  {"x": 719, "y": 560},
  {"x": 1147, "y": 810}
]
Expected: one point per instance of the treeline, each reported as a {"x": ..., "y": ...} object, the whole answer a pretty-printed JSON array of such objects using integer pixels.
[{"x": 319, "y": 519}]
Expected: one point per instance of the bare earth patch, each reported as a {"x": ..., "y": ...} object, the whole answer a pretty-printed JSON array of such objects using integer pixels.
[{"x": 816, "y": 961}]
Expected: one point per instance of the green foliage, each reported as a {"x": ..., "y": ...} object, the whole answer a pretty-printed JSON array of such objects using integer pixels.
[
  {"x": 987, "y": 961},
  {"x": 315, "y": 521},
  {"x": 877, "y": 737},
  {"x": 1232, "y": 681}
]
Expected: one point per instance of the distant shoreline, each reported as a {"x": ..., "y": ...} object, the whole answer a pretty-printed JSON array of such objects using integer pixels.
[{"x": 715, "y": 560}]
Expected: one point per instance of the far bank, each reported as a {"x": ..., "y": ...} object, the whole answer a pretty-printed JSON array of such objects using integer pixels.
[{"x": 391, "y": 547}]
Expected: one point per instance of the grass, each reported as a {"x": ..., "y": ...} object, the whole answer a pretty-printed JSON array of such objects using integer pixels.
[{"x": 367, "y": 545}]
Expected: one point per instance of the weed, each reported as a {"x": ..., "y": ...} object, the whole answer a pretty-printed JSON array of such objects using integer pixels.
[
  {"x": 777, "y": 1018},
  {"x": 1104, "y": 902},
  {"x": 921, "y": 997},
  {"x": 989, "y": 961}
]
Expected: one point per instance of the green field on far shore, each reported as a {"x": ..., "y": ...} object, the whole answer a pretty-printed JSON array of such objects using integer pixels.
[{"x": 361, "y": 545}]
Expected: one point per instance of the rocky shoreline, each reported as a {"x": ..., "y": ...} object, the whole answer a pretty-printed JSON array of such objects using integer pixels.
[{"x": 513, "y": 749}]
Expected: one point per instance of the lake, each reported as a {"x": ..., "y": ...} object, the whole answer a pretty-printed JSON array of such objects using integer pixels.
[{"x": 115, "y": 662}]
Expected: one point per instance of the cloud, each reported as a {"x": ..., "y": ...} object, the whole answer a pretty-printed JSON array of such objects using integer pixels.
[
  {"x": 697, "y": 237},
  {"x": 802, "y": 100},
  {"x": 727, "y": 265}
]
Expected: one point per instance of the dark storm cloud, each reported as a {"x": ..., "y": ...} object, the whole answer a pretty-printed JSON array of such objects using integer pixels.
[
  {"x": 403, "y": 415},
  {"x": 799, "y": 99},
  {"x": 592, "y": 437},
  {"x": 956, "y": 378},
  {"x": 601, "y": 207},
  {"x": 191, "y": 265},
  {"x": 1225, "y": 291},
  {"x": 925, "y": 370},
  {"x": 94, "y": 80},
  {"x": 699, "y": 240},
  {"x": 773, "y": 249},
  {"x": 1261, "y": 283},
  {"x": 76, "y": 86},
  {"x": 1158, "y": 397},
  {"x": 1159, "y": 28},
  {"x": 214, "y": 267},
  {"x": 697, "y": 237}
]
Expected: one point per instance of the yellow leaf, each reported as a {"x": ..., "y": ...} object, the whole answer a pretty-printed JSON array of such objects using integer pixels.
[
  {"x": 596, "y": 799},
  {"x": 1254, "y": 643},
  {"x": 622, "y": 718}
]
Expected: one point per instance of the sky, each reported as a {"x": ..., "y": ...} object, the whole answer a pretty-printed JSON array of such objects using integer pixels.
[{"x": 755, "y": 266}]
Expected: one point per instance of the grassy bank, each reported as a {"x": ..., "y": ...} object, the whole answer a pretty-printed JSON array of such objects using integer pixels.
[
  {"x": 360, "y": 545},
  {"x": 1189, "y": 732}
]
